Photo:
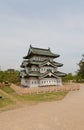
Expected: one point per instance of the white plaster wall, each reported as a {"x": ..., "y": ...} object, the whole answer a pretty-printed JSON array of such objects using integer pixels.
[
  {"x": 33, "y": 82},
  {"x": 45, "y": 68},
  {"x": 37, "y": 58},
  {"x": 48, "y": 81},
  {"x": 27, "y": 69},
  {"x": 51, "y": 59},
  {"x": 34, "y": 68},
  {"x": 59, "y": 82},
  {"x": 42, "y": 69},
  {"x": 56, "y": 69},
  {"x": 40, "y": 58},
  {"x": 25, "y": 82}
]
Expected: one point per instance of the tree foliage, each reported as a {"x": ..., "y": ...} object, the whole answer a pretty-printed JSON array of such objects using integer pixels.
[
  {"x": 80, "y": 72},
  {"x": 69, "y": 77},
  {"x": 10, "y": 76}
]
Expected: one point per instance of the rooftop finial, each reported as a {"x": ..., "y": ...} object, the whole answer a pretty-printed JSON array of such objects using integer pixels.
[
  {"x": 30, "y": 46},
  {"x": 49, "y": 48}
]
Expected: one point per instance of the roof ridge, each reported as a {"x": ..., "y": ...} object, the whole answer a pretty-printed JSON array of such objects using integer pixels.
[
  {"x": 40, "y": 48},
  {"x": 40, "y": 51}
]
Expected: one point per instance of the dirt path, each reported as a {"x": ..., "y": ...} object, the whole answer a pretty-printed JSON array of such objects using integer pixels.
[{"x": 67, "y": 114}]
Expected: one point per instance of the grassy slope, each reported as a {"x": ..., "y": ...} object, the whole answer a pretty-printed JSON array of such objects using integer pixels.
[{"x": 6, "y": 101}]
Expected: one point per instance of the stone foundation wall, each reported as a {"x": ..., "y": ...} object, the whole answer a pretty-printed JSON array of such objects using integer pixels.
[{"x": 37, "y": 90}]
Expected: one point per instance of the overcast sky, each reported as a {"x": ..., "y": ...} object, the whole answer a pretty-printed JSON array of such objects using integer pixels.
[{"x": 58, "y": 24}]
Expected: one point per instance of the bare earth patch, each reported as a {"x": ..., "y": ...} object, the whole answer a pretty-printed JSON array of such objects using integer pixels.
[{"x": 66, "y": 114}]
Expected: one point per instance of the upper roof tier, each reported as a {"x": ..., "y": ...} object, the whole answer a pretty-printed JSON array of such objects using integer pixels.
[{"x": 40, "y": 52}]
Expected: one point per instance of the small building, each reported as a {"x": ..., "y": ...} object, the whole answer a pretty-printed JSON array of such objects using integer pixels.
[{"x": 39, "y": 68}]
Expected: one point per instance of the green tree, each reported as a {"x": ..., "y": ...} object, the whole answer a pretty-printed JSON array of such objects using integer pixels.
[
  {"x": 69, "y": 77},
  {"x": 10, "y": 76},
  {"x": 80, "y": 72}
]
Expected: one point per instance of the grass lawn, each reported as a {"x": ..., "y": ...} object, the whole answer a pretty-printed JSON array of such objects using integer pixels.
[
  {"x": 43, "y": 97},
  {"x": 7, "y": 89},
  {"x": 4, "y": 101},
  {"x": 35, "y": 97}
]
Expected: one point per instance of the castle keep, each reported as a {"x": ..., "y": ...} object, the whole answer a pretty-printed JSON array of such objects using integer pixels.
[{"x": 40, "y": 69}]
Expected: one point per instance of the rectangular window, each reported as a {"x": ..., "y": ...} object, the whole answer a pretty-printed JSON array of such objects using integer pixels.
[{"x": 35, "y": 82}]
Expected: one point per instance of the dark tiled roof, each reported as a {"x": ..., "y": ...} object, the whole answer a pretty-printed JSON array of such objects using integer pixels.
[
  {"x": 40, "y": 51},
  {"x": 40, "y": 75},
  {"x": 24, "y": 63},
  {"x": 28, "y": 62},
  {"x": 57, "y": 64},
  {"x": 34, "y": 73},
  {"x": 47, "y": 74},
  {"x": 23, "y": 73},
  {"x": 31, "y": 74},
  {"x": 52, "y": 63},
  {"x": 60, "y": 74}
]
